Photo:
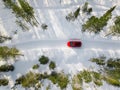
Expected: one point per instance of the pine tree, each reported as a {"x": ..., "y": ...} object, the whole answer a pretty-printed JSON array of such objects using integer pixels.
[
  {"x": 73, "y": 15},
  {"x": 6, "y": 52},
  {"x": 76, "y": 13},
  {"x": 4, "y": 38},
  {"x": 115, "y": 29},
  {"x": 95, "y": 24},
  {"x": 23, "y": 12}
]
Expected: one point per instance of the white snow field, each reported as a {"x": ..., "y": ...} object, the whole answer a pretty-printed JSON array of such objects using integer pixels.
[{"x": 52, "y": 42}]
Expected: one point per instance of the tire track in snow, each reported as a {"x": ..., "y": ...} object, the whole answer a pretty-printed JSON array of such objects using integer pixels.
[
  {"x": 66, "y": 6},
  {"x": 101, "y": 44},
  {"x": 38, "y": 44},
  {"x": 58, "y": 7}
]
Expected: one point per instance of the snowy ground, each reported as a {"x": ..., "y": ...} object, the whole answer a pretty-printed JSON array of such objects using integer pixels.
[{"x": 52, "y": 42}]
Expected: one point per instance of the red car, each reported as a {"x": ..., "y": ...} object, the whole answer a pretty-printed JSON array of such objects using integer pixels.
[{"x": 74, "y": 43}]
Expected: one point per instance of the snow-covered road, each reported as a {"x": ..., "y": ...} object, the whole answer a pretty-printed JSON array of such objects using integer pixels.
[{"x": 61, "y": 43}]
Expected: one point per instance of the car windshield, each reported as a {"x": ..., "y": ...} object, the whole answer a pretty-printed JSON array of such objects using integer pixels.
[{"x": 71, "y": 44}]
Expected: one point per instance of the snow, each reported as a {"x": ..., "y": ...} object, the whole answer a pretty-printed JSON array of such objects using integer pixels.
[{"x": 52, "y": 42}]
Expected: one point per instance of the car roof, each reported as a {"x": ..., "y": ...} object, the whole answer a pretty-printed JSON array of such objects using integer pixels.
[{"x": 74, "y": 41}]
